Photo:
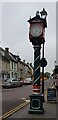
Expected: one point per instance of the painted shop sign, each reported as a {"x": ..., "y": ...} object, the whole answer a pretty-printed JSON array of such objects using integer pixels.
[{"x": 51, "y": 94}]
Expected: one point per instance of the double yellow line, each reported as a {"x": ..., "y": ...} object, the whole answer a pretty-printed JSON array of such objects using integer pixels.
[{"x": 14, "y": 110}]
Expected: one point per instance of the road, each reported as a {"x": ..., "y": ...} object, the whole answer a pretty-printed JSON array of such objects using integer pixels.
[{"x": 13, "y": 97}]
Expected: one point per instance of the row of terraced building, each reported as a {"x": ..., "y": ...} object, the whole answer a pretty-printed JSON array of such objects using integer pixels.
[{"x": 12, "y": 66}]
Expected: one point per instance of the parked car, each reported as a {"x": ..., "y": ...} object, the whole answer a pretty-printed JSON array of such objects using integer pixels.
[
  {"x": 12, "y": 82},
  {"x": 27, "y": 81},
  {"x": 21, "y": 81}
]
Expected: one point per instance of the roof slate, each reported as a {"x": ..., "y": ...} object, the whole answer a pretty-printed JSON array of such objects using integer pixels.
[{"x": 7, "y": 55}]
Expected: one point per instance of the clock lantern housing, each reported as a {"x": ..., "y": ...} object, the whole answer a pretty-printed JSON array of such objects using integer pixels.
[{"x": 37, "y": 30}]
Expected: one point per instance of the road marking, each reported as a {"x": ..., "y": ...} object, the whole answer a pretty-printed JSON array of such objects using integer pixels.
[
  {"x": 27, "y": 101},
  {"x": 23, "y": 98},
  {"x": 14, "y": 110}
]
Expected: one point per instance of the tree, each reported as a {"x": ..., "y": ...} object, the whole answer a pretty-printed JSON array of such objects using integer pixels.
[{"x": 47, "y": 74}]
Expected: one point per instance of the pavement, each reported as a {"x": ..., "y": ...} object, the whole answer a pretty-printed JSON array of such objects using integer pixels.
[
  {"x": 50, "y": 111},
  {"x": 0, "y": 98}
]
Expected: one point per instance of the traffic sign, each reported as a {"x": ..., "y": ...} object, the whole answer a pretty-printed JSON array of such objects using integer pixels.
[{"x": 43, "y": 62}]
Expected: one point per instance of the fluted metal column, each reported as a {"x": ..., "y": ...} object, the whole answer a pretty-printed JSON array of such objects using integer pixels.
[
  {"x": 36, "y": 84},
  {"x": 43, "y": 73}
]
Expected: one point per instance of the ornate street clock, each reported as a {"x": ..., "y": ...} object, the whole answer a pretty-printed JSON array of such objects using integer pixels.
[
  {"x": 37, "y": 37},
  {"x": 36, "y": 30}
]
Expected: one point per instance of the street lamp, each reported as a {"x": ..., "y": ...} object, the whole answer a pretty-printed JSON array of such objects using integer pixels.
[
  {"x": 36, "y": 36},
  {"x": 43, "y": 15}
]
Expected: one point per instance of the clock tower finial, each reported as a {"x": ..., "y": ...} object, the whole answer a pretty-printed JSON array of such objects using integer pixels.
[{"x": 37, "y": 14}]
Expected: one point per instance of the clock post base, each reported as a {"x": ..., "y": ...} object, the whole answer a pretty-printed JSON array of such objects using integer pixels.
[
  {"x": 36, "y": 111},
  {"x": 36, "y": 104}
]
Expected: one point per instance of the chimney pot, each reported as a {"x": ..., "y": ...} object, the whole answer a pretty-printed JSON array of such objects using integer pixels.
[{"x": 7, "y": 49}]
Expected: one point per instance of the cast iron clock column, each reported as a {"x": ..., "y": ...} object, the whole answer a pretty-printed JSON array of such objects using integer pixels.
[
  {"x": 36, "y": 36},
  {"x": 36, "y": 83}
]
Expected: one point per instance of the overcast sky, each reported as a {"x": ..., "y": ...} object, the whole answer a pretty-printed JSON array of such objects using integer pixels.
[{"x": 15, "y": 29}]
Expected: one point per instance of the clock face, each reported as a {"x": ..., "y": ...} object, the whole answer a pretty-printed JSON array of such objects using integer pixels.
[{"x": 36, "y": 30}]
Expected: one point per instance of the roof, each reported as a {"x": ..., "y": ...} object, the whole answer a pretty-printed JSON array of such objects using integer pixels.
[
  {"x": 37, "y": 19},
  {"x": 2, "y": 55},
  {"x": 1, "y": 49},
  {"x": 7, "y": 55},
  {"x": 16, "y": 57}
]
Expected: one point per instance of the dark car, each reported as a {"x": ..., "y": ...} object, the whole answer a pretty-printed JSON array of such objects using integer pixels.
[{"x": 12, "y": 82}]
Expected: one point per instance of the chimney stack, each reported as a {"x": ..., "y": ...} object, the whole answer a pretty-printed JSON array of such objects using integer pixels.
[
  {"x": 7, "y": 49},
  {"x": 24, "y": 61}
]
